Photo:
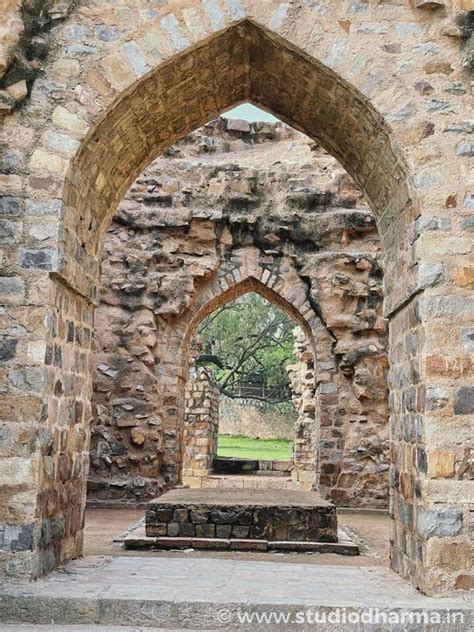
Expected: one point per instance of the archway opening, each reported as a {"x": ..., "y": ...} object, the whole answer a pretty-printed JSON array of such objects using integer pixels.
[
  {"x": 263, "y": 72},
  {"x": 244, "y": 381},
  {"x": 239, "y": 207}
]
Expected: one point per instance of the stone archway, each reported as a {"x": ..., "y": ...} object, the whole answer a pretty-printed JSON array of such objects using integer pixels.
[
  {"x": 306, "y": 466},
  {"x": 245, "y": 62}
]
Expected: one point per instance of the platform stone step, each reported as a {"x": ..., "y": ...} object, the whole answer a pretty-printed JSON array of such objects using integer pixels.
[
  {"x": 137, "y": 540},
  {"x": 234, "y": 465},
  {"x": 260, "y": 514}
]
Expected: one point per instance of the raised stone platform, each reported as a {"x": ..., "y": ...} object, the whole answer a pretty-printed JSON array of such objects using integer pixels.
[
  {"x": 257, "y": 514},
  {"x": 242, "y": 481}
]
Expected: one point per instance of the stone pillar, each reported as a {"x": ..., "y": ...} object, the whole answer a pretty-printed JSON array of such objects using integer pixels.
[
  {"x": 45, "y": 428},
  {"x": 201, "y": 425},
  {"x": 431, "y": 473},
  {"x": 306, "y": 438}
]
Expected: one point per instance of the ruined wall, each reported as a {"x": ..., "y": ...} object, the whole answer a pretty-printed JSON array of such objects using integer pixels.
[
  {"x": 249, "y": 418},
  {"x": 25, "y": 43},
  {"x": 229, "y": 197},
  {"x": 307, "y": 429},
  {"x": 354, "y": 457}
]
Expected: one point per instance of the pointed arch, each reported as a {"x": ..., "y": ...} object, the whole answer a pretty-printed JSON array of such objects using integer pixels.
[
  {"x": 250, "y": 284},
  {"x": 244, "y": 62}
]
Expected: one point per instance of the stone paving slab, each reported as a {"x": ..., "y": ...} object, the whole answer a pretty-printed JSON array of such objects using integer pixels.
[
  {"x": 204, "y": 593},
  {"x": 243, "y": 498},
  {"x": 21, "y": 627}
]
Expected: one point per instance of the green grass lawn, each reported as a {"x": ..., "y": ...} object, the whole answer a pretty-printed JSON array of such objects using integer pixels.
[{"x": 258, "y": 449}]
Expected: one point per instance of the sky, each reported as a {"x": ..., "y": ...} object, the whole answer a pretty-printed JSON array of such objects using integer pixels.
[{"x": 249, "y": 112}]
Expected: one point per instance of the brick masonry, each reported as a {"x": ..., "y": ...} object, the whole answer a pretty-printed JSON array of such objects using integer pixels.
[{"x": 92, "y": 121}]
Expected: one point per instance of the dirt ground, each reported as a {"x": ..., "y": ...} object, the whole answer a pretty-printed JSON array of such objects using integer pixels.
[{"x": 370, "y": 531}]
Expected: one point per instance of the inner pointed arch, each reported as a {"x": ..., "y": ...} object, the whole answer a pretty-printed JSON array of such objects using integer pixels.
[{"x": 250, "y": 284}]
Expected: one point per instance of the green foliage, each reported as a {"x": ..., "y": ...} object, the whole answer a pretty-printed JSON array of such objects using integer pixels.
[
  {"x": 258, "y": 449},
  {"x": 250, "y": 342}
]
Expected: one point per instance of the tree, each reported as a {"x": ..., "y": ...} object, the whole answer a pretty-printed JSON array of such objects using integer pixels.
[{"x": 250, "y": 342}]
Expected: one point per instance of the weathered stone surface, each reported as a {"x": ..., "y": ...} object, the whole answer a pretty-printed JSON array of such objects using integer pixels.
[
  {"x": 441, "y": 464},
  {"x": 7, "y": 347},
  {"x": 464, "y": 401},
  {"x": 373, "y": 121},
  {"x": 16, "y": 538},
  {"x": 440, "y": 523}
]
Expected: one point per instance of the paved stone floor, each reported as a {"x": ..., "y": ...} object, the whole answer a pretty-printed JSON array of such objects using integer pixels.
[
  {"x": 204, "y": 591},
  {"x": 20, "y": 627},
  {"x": 209, "y": 593}
]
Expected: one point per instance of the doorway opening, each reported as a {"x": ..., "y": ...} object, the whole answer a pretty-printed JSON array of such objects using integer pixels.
[{"x": 247, "y": 355}]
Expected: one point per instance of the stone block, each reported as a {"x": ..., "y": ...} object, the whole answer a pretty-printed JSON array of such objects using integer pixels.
[
  {"x": 464, "y": 582},
  {"x": 12, "y": 290},
  {"x": 173, "y": 529},
  {"x": 157, "y": 530},
  {"x": 239, "y": 531},
  {"x": 214, "y": 13},
  {"x": 8, "y": 347},
  {"x": 67, "y": 120},
  {"x": 180, "y": 515},
  {"x": 440, "y": 523},
  {"x": 208, "y": 543},
  {"x": 199, "y": 515},
  {"x": 205, "y": 530},
  {"x": 16, "y": 538},
  {"x": 187, "y": 529},
  {"x": 464, "y": 401},
  {"x": 245, "y": 544},
  {"x": 440, "y": 464},
  {"x": 172, "y": 28},
  {"x": 223, "y": 530},
  {"x": 43, "y": 259}
]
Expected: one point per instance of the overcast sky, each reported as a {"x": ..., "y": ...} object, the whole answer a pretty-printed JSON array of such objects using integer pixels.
[{"x": 249, "y": 112}]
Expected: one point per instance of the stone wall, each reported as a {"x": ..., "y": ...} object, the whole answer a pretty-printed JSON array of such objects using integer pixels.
[
  {"x": 25, "y": 42},
  {"x": 307, "y": 431},
  {"x": 354, "y": 458},
  {"x": 216, "y": 204},
  {"x": 249, "y": 418}
]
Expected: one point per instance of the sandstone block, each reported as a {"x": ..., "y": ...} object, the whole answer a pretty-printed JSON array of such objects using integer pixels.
[
  {"x": 65, "y": 119},
  {"x": 440, "y": 464}
]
